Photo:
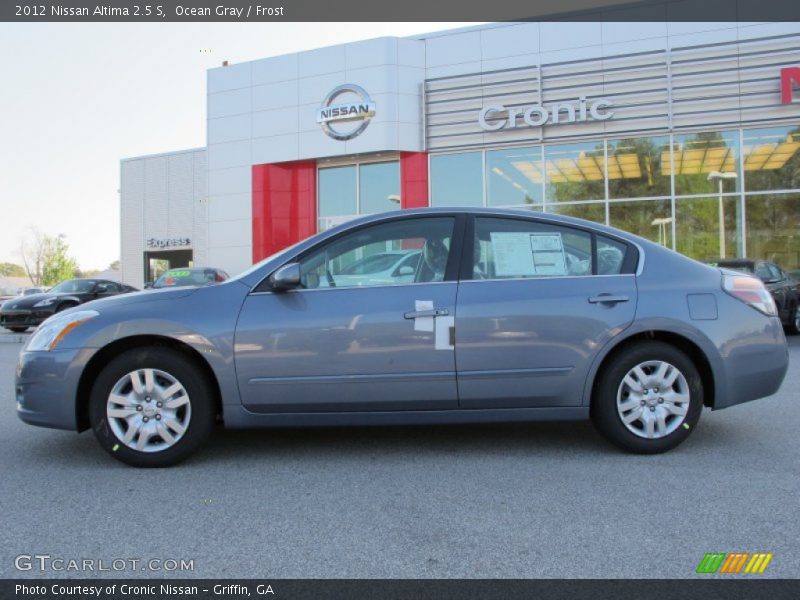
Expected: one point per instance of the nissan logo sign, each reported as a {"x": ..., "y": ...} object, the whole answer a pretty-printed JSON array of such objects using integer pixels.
[
  {"x": 493, "y": 118},
  {"x": 354, "y": 115}
]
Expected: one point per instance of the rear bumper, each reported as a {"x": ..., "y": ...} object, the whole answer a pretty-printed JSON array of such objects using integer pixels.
[
  {"x": 46, "y": 385},
  {"x": 755, "y": 369}
]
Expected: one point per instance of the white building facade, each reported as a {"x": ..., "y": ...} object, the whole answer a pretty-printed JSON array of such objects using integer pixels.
[{"x": 684, "y": 133}]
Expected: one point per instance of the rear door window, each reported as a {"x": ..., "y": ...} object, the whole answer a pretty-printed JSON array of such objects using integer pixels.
[{"x": 522, "y": 248}]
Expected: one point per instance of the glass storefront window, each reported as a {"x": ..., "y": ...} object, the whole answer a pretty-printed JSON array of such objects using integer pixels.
[
  {"x": 706, "y": 162},
  {"x": 574, "y": 172},
  {"x": 650, "y": 219},
  {"x": 379, "y": 187},
  {"x": 772, "y": 229},
  {"x": 514, "y": 177},
  {"x": 337, "y": 191},
  {"x": 591, "y": 211},
  {"x": 634, "y": 168},
  {"x": 457, "y": 179},
  {"x": 771, "y": 159},
  {"x": 708, "y": 228}
]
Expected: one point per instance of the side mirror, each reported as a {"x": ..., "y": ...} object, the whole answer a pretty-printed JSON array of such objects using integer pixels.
[
  {"x": 285, "y": 278},
  {"x": 406, "y": 270}
]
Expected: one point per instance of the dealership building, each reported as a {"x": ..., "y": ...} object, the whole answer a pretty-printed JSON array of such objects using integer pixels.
[{"x": 684, "y": 133}]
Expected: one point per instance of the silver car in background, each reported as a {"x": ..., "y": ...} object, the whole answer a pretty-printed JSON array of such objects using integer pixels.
[{"x": 507, "y": 316}]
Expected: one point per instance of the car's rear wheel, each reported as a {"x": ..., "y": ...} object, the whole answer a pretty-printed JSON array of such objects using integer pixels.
[
  {"x": 17, "y": 329},
  {"x": 648, "y": 398},
  {"x": 151, "y": 407}
]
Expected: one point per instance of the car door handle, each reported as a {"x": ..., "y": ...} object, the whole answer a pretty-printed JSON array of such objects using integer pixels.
[
  {"x": 607, "y": 299},
  {"x": 434, "y": 312}
]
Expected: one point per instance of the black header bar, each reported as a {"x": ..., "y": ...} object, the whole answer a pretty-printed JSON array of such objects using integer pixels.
[
  {"x": 706, "y": 588},
  {"x": 195, "y": 11}
]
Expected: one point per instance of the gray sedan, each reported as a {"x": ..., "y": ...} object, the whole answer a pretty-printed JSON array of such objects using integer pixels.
[{"x": 507, "y": 316}]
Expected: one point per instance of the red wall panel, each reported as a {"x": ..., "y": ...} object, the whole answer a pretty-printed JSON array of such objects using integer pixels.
[
  {"x": 284, "y": 205},
  {"x": 413, "y": 179}
]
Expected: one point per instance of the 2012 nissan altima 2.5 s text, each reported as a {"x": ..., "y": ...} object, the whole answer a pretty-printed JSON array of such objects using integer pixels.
[{"x": 507, "y": 316}]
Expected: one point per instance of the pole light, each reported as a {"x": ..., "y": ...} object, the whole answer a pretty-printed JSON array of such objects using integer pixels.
[
  {"x": 662, "y": 223},
  {"x": 719, "y": 176}
]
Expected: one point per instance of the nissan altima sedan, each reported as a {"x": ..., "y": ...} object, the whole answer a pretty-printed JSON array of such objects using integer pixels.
[{"x": 508, "y": 316}]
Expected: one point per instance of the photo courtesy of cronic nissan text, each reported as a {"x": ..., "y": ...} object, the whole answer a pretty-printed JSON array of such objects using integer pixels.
[{"x": 306, "y": 300}]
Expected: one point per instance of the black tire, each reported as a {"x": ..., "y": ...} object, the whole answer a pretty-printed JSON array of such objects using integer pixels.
[
  {"x": 182, "y": 369},
  {"x": 17, "y": 329},
  {"x": 793, "y": 326},
  {"x": 604, "y": 411}
]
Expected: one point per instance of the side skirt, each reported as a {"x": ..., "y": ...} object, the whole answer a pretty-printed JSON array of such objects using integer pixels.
[{"x": 237, "y": 417}]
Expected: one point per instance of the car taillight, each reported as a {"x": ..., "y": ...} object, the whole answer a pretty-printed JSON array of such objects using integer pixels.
[{"x": 750, "y": 291}]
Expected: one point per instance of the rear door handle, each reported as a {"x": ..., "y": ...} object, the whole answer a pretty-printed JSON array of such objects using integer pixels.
[
  {"x": 434, "y": 312},
  {"x": 607, "y": 299}
]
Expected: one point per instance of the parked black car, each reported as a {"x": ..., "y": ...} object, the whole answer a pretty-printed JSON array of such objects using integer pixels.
[
  {"x": 784, "y": 289},
  {"x": 18, "y": 314},
  {"x": 185, "y": 276}
]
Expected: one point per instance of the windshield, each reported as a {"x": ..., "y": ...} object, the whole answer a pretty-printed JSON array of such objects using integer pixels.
[
  {"x": 264, "y": 261},
  {"x": 184, "y": 277},
  {"x": 73, "y": 286},
  {"x": 745, "y": 268}
]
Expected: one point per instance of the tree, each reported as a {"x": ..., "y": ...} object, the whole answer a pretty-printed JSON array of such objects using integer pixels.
[
  {"x": 57, "y": 265},
  {"x": 31, "y": 250},
  {"x": 114, "y": 266},
  {"x": 8, "y": 269}
]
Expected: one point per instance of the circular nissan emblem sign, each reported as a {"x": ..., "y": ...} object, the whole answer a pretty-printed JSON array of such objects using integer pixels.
[{"x": 345, "y": 112}]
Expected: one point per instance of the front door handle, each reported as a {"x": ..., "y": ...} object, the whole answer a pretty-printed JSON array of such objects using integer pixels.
[
  {"x": 607, "y": 299},
  {"x": 434, "y": 312}
]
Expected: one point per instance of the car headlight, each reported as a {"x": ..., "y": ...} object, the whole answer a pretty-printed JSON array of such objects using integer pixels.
[
  {"x": 50, "y": 333},
  {"x": 45, "y": 302}
]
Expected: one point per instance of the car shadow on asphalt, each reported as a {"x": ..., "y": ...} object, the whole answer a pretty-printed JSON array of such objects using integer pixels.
[{"x": 532, "y": 439}]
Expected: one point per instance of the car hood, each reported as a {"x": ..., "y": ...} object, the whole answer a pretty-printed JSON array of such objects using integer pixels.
[
  {"x": 139, "y": 297},
  {"x": 26, "y": 302}
]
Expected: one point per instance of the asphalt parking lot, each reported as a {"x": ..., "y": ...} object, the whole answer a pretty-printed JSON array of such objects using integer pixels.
[{"x": 539, "y": 500}]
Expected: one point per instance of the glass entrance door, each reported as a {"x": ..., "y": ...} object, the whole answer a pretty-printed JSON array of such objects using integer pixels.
[{"x": 347, "y": 191}]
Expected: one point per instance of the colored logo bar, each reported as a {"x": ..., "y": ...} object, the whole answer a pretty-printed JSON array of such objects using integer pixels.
[{"x": 734, "y": 562}]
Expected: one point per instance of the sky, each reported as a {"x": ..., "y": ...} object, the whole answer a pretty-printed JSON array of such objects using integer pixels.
[{"x": 76, "y": 98}]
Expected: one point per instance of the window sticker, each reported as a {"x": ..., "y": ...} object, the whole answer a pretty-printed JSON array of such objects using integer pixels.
[
  {"x": 528, "y": 254},
  {"x": 423, "y": 323},
  {"x": 512, "y": 254},
  {"x": 548, "y": 254}
]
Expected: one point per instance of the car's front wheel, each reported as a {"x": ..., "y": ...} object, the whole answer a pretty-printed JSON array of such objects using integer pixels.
[
  {"x": 151, "y": 407},
  {"x": 648, "y": 398}
]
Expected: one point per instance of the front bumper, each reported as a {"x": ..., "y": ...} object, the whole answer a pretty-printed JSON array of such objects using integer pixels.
[
  {"x": 23, "y": 318},
  {"x": 46, "y": 387}
]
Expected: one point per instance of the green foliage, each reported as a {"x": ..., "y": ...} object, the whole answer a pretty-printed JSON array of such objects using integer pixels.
[
  {"x": 57, "y": 265},
  {"x": 11, "y": 270}
]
